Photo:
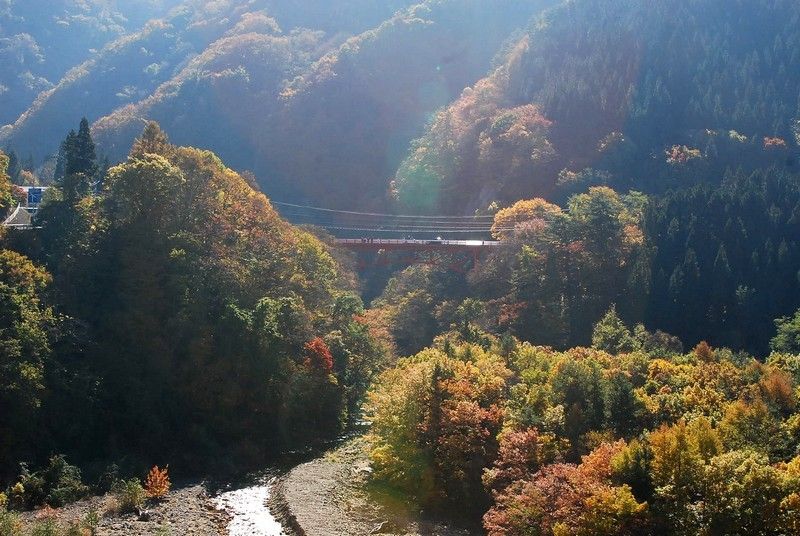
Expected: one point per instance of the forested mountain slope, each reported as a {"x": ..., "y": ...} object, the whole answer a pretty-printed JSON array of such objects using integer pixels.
[
  {"x": 158, "y": 308},
  {"x": 40, "y": 40},
  {"x": 648, "y": 95},
  {"x": 348, "y": 16},
  {"x": 136, "y": 53},
  {"x": 224, "y": 95},
  {"x": 342, "y": 121},
  {"x": 125, "y": 71},
  {"x": 306, "y": 110},
  {"x": 347, "y": 122}
]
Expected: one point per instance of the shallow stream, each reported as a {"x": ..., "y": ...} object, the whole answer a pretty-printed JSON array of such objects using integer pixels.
[
  {"x": 250, "y": 515},
  {"x": 246, "y": 502}
]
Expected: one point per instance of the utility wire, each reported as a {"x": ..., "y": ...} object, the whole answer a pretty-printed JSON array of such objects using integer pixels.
[
  {"x": 390, "y": 225},
  {"x": 443, "y": 225}
]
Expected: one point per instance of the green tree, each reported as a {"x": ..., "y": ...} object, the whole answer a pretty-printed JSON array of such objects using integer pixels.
[
  {"x": 752, "y": 426},
  {"x": 5, "y": 184},
  {"x": 611, "y": 334},
  {"x": 787, "y": 338},
  {"x": 413, "y": 324},
  {"x": 14, "y": 167},
  {"x": 80, "y": 167},
  {"x": 623, "y": 409},
  {"x": 468, "y": 314},
  {"x": 26, "y": 327},
  {"x": 578, "y": 386},
  {"x": 81, "y": 156},
  {"x": 631, "y": 466},
  {"x": 153, "y": 141},
  {"x": 397, "y": 406},
  {"x": 743, "y": 494}
]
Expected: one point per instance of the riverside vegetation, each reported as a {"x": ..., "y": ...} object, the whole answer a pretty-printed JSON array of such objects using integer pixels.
[{"x": 631, "y": 436}]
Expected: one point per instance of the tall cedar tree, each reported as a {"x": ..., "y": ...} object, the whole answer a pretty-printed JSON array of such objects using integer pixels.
[{"x": 79, "y": 161}]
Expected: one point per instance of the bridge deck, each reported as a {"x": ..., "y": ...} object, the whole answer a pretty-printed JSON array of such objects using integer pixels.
[{"x": 411, "y": 244}]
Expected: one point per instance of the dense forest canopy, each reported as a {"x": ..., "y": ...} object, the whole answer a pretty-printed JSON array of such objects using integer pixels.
[
  {"x": 592, "y": 441},
  {"x": 156, "y": 306}
]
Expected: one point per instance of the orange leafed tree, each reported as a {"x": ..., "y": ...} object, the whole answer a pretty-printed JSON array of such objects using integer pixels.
[
  {"x": 157, "y": 484},
  {"x": 506, "y": 220},
  {"x": 681, "y": 154},
  {"x": 704, "y": 352}
]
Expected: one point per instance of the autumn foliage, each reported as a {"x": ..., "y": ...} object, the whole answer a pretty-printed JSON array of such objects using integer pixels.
[
  {"x": 564, "y": 266},
  {"x": 522, "y": 212},
  {"x": 232, "y": 331},
  {"x": 681, "y": 154},
  {"x": 157, "y": 483},
  {"x": 704, "y": 352},
  {"x": 318, "y": 356},
  {"x": 586, "y": 442}
]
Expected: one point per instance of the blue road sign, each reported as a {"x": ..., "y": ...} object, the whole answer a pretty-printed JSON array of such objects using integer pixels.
[{"x": 35, "y": 196}]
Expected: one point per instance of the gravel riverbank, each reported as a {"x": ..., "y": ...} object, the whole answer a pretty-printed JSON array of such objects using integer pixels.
[
  {"x": 185, "y": 511},
  {"x": 328, "y": 497}
]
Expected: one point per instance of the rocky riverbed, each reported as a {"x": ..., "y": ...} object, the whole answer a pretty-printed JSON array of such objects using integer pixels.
[{"x": 185, "y": 511}]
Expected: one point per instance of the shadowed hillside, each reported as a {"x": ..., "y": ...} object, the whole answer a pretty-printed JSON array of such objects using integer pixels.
[
  {"x": 136, "y": 54},
  {"x": 40, "y": 40},
  {"x": 650, "y": 95},
  {"x": 347, "y": 117}
]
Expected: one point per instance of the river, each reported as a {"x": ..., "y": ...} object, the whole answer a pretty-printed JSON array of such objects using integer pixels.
[
  {"x": 246, "y": 502},
  {"x": 250, "y": 515}
]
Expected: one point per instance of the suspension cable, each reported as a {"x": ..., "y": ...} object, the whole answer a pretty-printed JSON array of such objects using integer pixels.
[{"x": 375, "y": 214}]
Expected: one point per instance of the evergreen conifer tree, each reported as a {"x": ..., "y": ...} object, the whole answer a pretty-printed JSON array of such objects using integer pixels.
[
  {"x": 82, "y": 158},
  {"x": 78, "y": 159},
  {"x": 5, "y": 184},
  {"x": 65, "y": 152},
  {"x": 152, "y": 141},
  {"x": 612, "y": 335}
]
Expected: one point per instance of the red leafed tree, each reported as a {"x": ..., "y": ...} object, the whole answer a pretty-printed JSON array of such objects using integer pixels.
[
  {"x": 521, "y": 455},
  {"x": 568, "y": 499},
  {"x": 318, "y": 356}
]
